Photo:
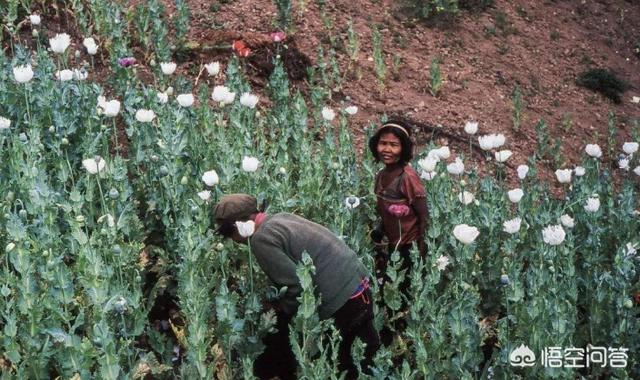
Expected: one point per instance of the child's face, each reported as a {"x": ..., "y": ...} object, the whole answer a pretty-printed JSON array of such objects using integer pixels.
[{"x": 389, "y": 148}]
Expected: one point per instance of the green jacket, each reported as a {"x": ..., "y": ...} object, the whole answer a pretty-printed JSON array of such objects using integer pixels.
[{"x": 278, "y": 245}]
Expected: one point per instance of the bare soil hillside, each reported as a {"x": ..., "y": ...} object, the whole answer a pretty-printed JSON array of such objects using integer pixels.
[{"x": 539, "y": 46}]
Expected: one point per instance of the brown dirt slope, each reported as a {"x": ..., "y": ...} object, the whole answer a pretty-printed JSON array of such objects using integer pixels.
[{"x": 539, "y": 46}]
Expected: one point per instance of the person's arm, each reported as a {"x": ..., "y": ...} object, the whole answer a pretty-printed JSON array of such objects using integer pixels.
[
  {"x": 422, "y": 213},
  {"x": 280, "y": 268},
  {"x": 415, "y": 192}
]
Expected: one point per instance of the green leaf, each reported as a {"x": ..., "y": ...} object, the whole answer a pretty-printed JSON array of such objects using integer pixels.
[
  {"x": 15, "y": 227},
  {"x": 80, "y": 236}
]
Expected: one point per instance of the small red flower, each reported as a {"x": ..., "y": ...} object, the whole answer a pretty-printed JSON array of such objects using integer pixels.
[
  {"x": 399, "y": 210},
  {"x": 278, "y": 36},
  {"x": 241, "y": 48},
  {"x": 636, "y": 297}
]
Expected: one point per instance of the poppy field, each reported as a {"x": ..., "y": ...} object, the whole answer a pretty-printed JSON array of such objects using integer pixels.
[{"x": 110, "y": 267}]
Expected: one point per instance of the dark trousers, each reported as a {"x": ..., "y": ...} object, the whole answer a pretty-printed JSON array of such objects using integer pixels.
[
  {"x": 353, "y": 319},
  {"x": 382, "y": 262}
]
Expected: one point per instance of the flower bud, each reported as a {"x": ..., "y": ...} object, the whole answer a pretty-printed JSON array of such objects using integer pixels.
[
  {"x": 52, "y": 129},
  {"x": 628, "y": 304},
  {"x": 504, "y": 280},
  {"x": 114, "y": 193},
  {"x": 10, "y": 247},
  {"x": 164, "y": 171},
  {"x": 184, "y": 180},
  {"x": 80, "y": 219},
  {"x": 116, "y": 249},
  {"x": 34, "y": 33},
  {"x": 23, "y": 214},
  {"x": 64, "y": 141},
  {"x": 219, "y": 247},
  {"x": 10, "y": 196}
]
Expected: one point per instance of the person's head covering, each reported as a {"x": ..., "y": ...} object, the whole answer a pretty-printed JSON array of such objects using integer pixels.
[{"x": 235, "y": 207}]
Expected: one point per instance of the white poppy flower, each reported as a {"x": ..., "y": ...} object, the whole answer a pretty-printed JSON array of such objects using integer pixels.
[
  {"x": 442, "y": 262},
  {"x": 351, "y": 110},
  {"x": 352, "y": 202},
  {"x": 442, "y": 153},
  {"x": 168, "y": 68},
  {"x": 428, "y": 176},
  {"x": 213, "y": 68},
  {"x": 486, "y": 142},
  {"x": 630, "y": 147},
  {"x": 465, "y": 234},
  {"x": 623, "y": 163},
  {"x": 23, "y": 74},
  {"x": 579, "y": 171},
  {"x": 630, "y": 249},
  {"x": 328, "y": 114},
  {"x": 499, "y": 140},
  {"x": 210, "y": 178},
  {"x": 282, "y": 170},
  {"x": 246, "y": 229},
  {"x": 503, "y": 155},
  {"x": 94, "y": 165},
  {"x": 250, "y": 164},
  {"x": 222, "y": 95},
  {"x": 466, "y": 197},
  {"x": 185, "y": 100},
  {"x": 567, "y": 221},
  {"x": 60, "y": 43},
  {"x": 515, "y": 195},
  {"x": 637, "y": 170},
  {"x": 64, "y": 75},
  {"x": 563, "y": 175},
  {"x": 512, "y": 226},
  {"x": 163, "y": 97},
  {"x": 428, "y": 163},
  {"x": 593, "y": 204},
  {"x": 35, "y": 19},
  {"x": 205, "y": 195},
  {"x": 145, "y": 116},
  {"x": 4, "y": 123},
  {"x": 471, "y": 127},
  {"x": 108, "y": 108},
  {"x": 553, "y": 235},
  {"x": 90, "y": 44},
  {"x": 522, "y": 171},
  {"x": 249, "y": 100},
  {"x": 593, "y": 150},
  {"x": 456, "y": 168}
]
